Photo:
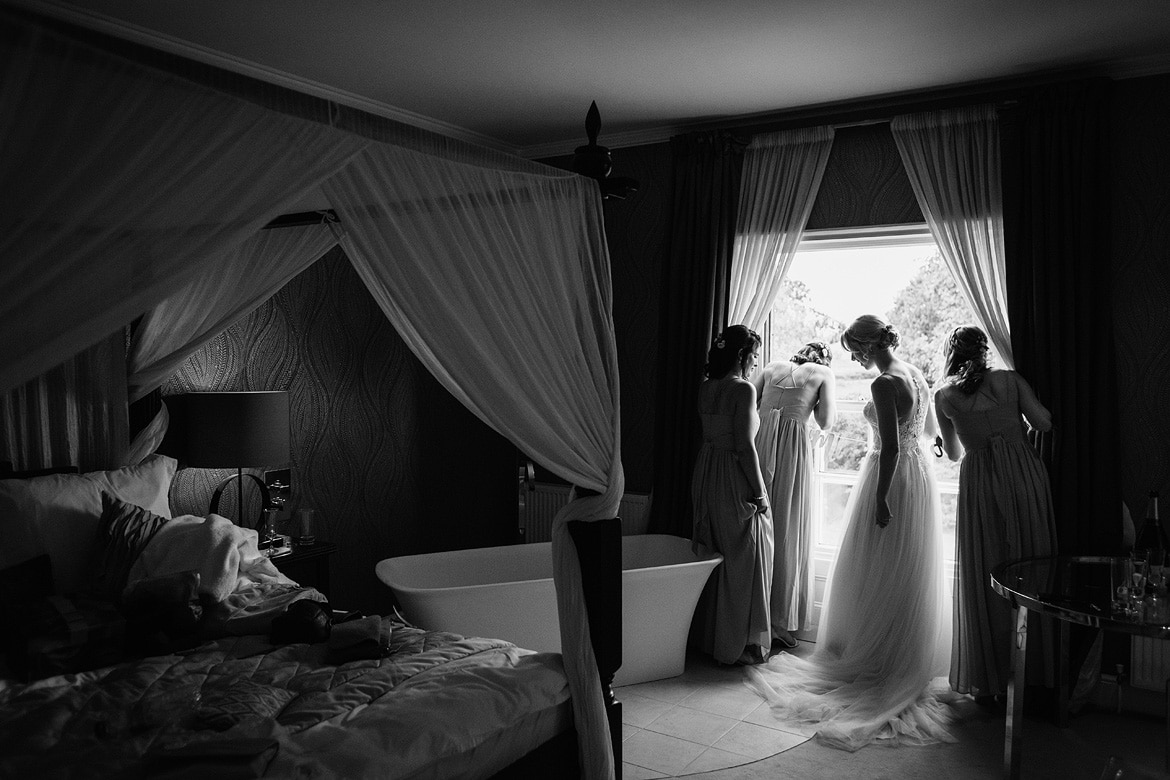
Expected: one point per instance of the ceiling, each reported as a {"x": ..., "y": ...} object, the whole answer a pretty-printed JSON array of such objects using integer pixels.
[{"x": 519, "y": 75}]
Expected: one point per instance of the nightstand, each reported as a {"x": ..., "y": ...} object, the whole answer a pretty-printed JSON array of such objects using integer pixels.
[{"x": 309, "y": 566}]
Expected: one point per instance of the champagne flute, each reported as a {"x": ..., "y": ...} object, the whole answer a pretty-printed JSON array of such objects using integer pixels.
[
  {"x": 1120, "y": 576},
  {"x": 1137, "y": 590}
]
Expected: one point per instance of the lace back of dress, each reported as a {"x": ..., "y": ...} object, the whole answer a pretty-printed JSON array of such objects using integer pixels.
[{"x": 910, "y": 429}]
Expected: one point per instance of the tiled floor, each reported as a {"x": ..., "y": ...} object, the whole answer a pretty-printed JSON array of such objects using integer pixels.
[{"x": 703, "y": 720}]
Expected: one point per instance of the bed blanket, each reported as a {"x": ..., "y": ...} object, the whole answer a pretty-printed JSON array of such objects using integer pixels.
[{"x": 239, "y": 701}]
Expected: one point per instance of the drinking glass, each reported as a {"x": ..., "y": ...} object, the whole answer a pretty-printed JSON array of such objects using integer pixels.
[
  {"x": 1120, "y": 580},
  {"x": 1137, "y": 590}
]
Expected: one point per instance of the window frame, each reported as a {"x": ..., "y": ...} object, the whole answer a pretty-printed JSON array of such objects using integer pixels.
[{"x": 869, "y": 237}]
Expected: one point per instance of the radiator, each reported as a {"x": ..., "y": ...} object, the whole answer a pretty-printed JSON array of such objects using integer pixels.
[
  {"x": 1149, "y": 663},
  {"x": 538, "y": 508}
]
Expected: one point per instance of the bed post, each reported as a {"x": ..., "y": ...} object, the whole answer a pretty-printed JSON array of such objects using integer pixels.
[{"x": 599, "y": 549}]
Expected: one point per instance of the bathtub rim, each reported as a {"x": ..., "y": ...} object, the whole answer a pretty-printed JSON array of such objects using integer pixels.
[{"x": 706, "y": 556}]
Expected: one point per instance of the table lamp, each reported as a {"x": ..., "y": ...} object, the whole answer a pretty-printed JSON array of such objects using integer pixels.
[{"x": 218, "y": 430}]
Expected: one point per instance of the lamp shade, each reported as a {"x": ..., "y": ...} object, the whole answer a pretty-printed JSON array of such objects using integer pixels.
[{"x": 230, "y": 429}]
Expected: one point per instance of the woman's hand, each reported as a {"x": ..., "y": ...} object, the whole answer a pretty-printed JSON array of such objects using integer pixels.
[
  {"x": 761, "y": 503},
  {"x": 884, "y": 515}
]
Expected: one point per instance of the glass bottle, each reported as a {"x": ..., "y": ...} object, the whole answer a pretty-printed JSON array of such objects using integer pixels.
[{"x": 1151, "y": 543}]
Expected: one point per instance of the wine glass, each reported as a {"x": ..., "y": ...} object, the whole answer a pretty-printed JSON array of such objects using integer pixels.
[
  {"x": 1137, "y": 589},
  {"x": 1121, "y": 577}
]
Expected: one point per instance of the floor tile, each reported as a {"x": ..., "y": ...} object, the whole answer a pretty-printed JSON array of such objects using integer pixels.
[
  {"x": 635, "y": 772},
  {"x": 639, "y": 711},
  {"x": 672, "y": 690},
  {"x": 757, "y": 741},
  {"x": 712, "y": 759},
  {"x": 697, "y": 726},
  {"x": 659, "y": 752},
  {"x": 735, "y": 703}
]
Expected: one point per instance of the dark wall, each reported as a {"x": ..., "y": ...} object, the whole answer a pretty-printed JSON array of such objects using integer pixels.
[
  {"x": 636, "y": 232},
  {"x": 1140, "y": 276},
  {"x": 391, "y": 462}
]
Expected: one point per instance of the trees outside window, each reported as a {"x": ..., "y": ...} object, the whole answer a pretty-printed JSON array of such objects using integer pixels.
[{"x": 900, "y": 276}]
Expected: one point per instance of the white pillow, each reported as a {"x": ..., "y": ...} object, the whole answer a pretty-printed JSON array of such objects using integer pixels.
[{"x": 59, "y": 514}]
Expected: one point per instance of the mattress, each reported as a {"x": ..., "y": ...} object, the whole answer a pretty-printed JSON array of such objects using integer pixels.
[{"x": 439, "y": 705}]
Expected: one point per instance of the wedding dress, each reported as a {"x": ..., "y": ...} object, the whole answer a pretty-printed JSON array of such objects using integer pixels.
[{"x": 883, "y": 649}]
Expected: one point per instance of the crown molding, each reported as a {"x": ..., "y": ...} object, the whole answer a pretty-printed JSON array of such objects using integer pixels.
[{"x": 93, "y": 20}]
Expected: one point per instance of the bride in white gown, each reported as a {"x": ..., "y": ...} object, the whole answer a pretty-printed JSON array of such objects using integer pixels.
[{"x": 885, "y": 630}]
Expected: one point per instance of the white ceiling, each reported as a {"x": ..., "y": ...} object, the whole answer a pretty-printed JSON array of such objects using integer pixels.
[{"x": 519, "y": 74}]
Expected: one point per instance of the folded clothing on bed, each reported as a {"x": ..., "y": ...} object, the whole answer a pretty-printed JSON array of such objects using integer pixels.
[{"x": 360, "y": 639}]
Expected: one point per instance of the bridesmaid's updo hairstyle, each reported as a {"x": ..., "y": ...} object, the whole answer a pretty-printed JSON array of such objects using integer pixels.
[
  {"x": 814, "y": 352},
  {"x": 967, "y": 358},
  {"x": 869, "y": 333},
  {"x": 732, "y": 348}
]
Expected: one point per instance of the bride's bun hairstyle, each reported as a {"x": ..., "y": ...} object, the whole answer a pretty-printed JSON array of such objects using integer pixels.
[
  {"x": 967, "y": 357},
  {"x": 869, "y": 333},
  {"x": 814, "y": 352},
  {"x": 732, "y": 348}
]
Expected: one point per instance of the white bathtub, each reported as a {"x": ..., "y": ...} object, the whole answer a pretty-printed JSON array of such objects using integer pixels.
[{"x": 507, "y": 593}]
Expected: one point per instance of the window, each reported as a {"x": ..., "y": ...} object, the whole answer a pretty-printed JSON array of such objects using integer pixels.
[{"x": 898, "y": 274}]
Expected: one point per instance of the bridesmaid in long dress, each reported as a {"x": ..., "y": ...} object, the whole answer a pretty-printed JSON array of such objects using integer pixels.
[
  {"x": 731, "y": 506},
  {"x": 1004, "y": 510},
  {"x": 885, "y": 628},
  {"x": 792, "y": 391}
]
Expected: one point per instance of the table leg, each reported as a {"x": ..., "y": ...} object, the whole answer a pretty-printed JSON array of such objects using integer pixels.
[
  {"x": 1013, "y": 727},
  {"x": 1063, "y": 685}
]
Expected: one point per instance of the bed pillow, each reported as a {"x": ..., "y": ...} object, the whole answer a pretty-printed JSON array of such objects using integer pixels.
[
  {"x": 123, "y": 532},
  {"x": 59, "y": 514}
]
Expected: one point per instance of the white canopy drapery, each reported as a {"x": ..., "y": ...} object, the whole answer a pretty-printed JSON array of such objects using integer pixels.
[
  {"x": 952, "y": 159},
  {"x": 781, "y": 176},
  {"x": 136, "y": 185},
  {"x": 461, "y": 260},
  {"x": 231, "y": 286},
  {"x": 119, "y": 182}
]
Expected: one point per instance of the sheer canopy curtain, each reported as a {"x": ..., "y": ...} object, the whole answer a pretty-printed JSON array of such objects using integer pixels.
[
  {"x": 229, "y": 287},
  {"x": 781, "y": 176},
  {"x": 146, "y": 176},
  {"x": 499, "y": 282},
  {"x": 952, "y": 158}
]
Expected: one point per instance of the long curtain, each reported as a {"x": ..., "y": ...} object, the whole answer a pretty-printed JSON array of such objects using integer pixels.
[
  {"x": 781, "y": 176},
  {"x": 460, "y": 258},
  {"x": 231, "y": 286},
  {"x": 146, "y": 176},
  {"x": 72, "y": 415},
  {"x": 1056, "y": 222},
  {"x": 953, "y": 160},
  {"x": 695, "y": 290}
]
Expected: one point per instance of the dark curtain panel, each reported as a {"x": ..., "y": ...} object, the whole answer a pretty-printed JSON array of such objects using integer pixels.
[
  {"x": 1056, "y": 220},
  {"x": 695, "y": 290}
]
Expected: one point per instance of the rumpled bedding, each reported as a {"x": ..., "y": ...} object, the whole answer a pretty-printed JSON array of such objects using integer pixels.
[
  {"x": 226, "y": 556},
  {"x": 239, "y": 706}
]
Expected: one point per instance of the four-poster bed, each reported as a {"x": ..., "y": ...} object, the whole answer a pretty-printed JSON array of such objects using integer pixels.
[{"x": 144, "y": 194}]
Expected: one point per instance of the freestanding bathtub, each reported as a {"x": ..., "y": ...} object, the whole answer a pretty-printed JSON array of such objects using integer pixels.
[{"x": 507, "y": 593}]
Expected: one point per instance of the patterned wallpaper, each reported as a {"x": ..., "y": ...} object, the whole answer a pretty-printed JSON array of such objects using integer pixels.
[
  {"x": 389, "y": 460},
  {"x": 1140, "y": 270},
  {"x": 865, "y": 182}
]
